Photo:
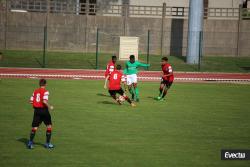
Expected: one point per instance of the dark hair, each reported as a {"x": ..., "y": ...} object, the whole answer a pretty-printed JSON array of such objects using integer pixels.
[
  {"x": 114, "y": 57},
  {"x": 132, "y": 57},
  {"x": 118, "y": 67},
  {"x": 42, "y": 82},
  {"x": 164, "y": 59}
]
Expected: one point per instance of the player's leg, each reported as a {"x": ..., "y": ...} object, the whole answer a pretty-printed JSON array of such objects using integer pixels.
[
  {"x": 113, "y": 95},
  {"x": 32, "y": 136},
  {"x": 35, "y": 124},
  {"x": 121, "y": 92},
  {"x": 129, "y": 84},
  {"x": 161, "y": 89},
  {"x": 47, "y": 121},
  {"x": 165, "y": 91},
  {"x": 135, "y": 87}
]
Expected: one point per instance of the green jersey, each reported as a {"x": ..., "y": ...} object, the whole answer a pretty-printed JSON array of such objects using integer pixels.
[{"x": 131, "y": 68}]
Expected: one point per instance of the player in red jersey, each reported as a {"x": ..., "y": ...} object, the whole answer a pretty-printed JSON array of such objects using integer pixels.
[
  {"x": 39, "y": 101},
  {"x": 167, "y": 78},
  {"x": 110, "y": 68},
  {"x": 115, "y": 79}
]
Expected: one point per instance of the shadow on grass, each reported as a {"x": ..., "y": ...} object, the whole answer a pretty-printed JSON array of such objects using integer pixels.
[
  {"x": 25, "y": 141},
  {"x": 103, "y": 95},
  {"x": 153, "y": 98},
  {"x": 247, "y": 69},
  {"x": 107, "y": 102}
]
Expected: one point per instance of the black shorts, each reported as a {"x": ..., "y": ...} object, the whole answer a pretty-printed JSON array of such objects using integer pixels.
[
  {"x": 167, "y": 83},
  {"x": 41, "y": 115},
  {"x": 113, "y": 92}
]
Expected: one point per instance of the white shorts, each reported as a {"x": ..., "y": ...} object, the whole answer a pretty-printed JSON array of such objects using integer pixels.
[{"x": 131, "y": 79}]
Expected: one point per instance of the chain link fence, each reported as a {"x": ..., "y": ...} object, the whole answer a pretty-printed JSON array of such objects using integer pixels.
[{"x": 91, "y": 48}]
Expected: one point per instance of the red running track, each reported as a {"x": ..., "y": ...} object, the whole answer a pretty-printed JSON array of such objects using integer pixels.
[{"x": 99, "y": 74}]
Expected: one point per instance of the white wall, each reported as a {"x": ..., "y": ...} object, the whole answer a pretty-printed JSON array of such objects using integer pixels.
[{"x": 184, "y": 3}]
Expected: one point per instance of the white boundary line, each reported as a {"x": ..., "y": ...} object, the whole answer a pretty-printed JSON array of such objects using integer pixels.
[{"x": 102, "y": 77}]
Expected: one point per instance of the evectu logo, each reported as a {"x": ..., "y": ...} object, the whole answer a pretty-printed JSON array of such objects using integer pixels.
[{"x": 235, "y": 154}]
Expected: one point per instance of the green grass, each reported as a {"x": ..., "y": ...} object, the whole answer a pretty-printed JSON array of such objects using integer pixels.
[
  {"x": 190, "y": 129},
  {"x": 88, "y": 61}
]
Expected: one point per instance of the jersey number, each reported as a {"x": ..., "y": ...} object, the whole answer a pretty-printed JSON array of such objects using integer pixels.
[
  {"x": 115, "y": 77},
  {"x": 38, "y": 97}
]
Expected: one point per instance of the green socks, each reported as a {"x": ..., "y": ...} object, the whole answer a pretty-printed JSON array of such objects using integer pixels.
[{"x": 137, "y": 92}]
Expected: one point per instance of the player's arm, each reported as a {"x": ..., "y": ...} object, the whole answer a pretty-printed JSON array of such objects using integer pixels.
[
  {"x": 31, "y": 99},
  {"x": 107, "y": 71},
  {"x": 48, "y": 105},
  {"x": 125, "y": 71},
  {"x": 106, "y": 80},
  {"x": 46, "y": 99},
  {"x": 142, "y": 64},
  {"x": 170, "y": 71},
  {"x": 124, "y": 82}
]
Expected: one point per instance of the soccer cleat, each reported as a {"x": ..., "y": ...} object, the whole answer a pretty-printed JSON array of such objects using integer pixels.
[
  {"x": 158, "y": 98},
  {"x": 30, "y": 145},
  {"x": 48, "y": 145},
  {"x": 137, "y": 100},
  {"x": 133, "y": 105}
]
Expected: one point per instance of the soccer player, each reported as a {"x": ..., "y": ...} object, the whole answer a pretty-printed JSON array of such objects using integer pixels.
[
  {"x": 131, "y": 72},
  {"x": 167, "y": 78},
  {"x": 110, "y": 68},
  {"x": 39, "y": 101},
  {"x": 115, "y": 79}
]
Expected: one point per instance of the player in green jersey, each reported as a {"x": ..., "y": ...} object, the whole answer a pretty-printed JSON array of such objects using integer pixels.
[{"x": 131, "y": 72}]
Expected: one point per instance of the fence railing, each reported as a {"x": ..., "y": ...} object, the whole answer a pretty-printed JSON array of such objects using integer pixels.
[{"x": 122, "y": 10}]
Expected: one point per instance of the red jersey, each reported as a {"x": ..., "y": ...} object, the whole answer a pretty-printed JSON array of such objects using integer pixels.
[
  {"x": 38, "y": 96},
  {"x": 115, "y": 80},
  {"x": 110, "y": 68},
  {"x": 167, "y": 69}
]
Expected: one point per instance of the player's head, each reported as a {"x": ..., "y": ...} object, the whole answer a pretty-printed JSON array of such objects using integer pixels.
[
  {"x": 114, "y": 58},
  {"x": 164, "y": 60},
  {"x": 118, "y": 67},
  {"x": 132, "y": 58},
  {"x": 42, "y": 82}
]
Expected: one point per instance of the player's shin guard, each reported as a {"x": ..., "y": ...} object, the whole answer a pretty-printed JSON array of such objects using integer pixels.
[
  {"x": 32, "y": 134},
  {"x": 48, "y": 135}
]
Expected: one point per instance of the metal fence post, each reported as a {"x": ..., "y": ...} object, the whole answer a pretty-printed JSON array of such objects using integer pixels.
[
  {"x": 162, "y": 26},
  {"x": 200, "y": 50},
  {"x": 125, "y": 15},
  {"x": 238, "y": 30},
  {"x": 97, "y": 51},
  {"x": 44, "y": 46},
  {"x": 6, "y": 24},
  {"x": 148, "y": 45}
]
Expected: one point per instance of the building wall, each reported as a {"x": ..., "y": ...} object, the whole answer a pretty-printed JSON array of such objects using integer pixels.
[
  {"x": 183, "y": 3},
  {"x": 77, "y": 33}
]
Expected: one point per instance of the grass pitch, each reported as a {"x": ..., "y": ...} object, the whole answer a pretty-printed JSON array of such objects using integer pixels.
[{"x": 189, "y": 129}]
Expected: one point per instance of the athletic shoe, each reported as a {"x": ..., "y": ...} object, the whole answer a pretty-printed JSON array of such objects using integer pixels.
[
  {"x": 137, "y": 100},
  {"x": 133, "y": 105},
  {"x": 158, "y": 98},
  {"x": 30, "y": 144},
  {"x": 48, "y": 145}
]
